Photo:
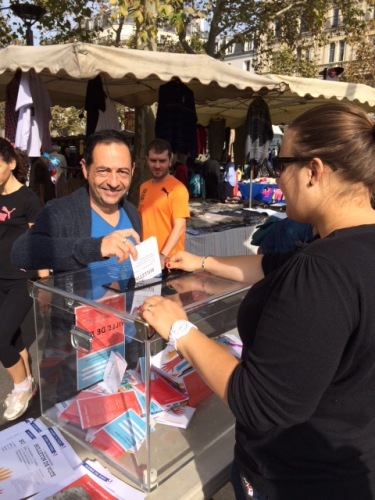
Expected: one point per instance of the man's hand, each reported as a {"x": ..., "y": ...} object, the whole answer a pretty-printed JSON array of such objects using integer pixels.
[{"x": 118, "y": 244}]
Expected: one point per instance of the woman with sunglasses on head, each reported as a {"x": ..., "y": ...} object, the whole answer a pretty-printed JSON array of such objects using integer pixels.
[
  {"x": 19, "y": 207},
  {"x": 304, "y": 392}
]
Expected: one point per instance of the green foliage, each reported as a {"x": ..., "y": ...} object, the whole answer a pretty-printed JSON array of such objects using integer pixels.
[
  {"x": 361, "y": 66},
  {"x": 286, "y": 62},
  {"x": 66, "y": 121},
  {"x": 169, "y": 44}
]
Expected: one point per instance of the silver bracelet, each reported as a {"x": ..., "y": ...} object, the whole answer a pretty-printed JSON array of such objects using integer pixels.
[{"x": 204, "y": 261}]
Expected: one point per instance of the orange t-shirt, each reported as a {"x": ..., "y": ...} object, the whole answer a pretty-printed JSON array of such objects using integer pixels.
[{"x": 159, "y": 204}]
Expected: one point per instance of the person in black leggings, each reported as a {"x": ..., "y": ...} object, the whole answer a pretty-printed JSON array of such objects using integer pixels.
[{"x": 18, "y": 209}]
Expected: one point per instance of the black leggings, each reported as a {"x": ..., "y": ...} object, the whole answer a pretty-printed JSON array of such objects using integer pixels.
[{"x": 15, "y": 303}]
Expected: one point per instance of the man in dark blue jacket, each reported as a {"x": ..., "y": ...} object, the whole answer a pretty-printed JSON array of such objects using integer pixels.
[{"x": 94, "y": 223}]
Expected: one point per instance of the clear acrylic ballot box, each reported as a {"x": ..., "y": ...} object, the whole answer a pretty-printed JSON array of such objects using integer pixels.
[{"x": 110, "y": 382}]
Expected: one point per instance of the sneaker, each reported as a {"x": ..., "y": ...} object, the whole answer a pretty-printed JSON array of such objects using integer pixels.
[
  {"x": 10, "y": 396},
  {"x": 17, "y": 402}
]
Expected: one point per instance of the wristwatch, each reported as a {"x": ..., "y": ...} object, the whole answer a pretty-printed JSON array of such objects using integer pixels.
[{"x": 179, "y": 328}]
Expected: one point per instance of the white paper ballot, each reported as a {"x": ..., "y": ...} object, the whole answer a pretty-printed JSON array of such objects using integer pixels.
[
  {"x": 114, "y": 371},
  {"x": 148, "y": 263}
]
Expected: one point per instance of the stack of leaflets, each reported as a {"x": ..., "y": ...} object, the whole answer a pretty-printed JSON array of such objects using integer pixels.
[{"x": 37, "y": 460}]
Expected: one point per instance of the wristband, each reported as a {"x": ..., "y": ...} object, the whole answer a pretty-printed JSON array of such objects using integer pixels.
[
  {"x": 179, "y": 328},
  {"x": 204, "y": 261}
]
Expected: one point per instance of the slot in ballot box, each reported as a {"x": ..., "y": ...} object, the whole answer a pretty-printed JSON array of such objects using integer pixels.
[{"x": 92, "y": 333}]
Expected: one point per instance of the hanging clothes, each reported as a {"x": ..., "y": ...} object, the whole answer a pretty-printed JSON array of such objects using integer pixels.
[
  {"x": 258, "y": 131},
  {"x": 216, "y": 138},
  {"x": 108, "y": 119},
  {"x": 176, "y": 119},
  {"x": 95, "y": 102},
  {"x": 33, "y": 104},
  {"x": 11, "y": 115},
  {"x": 239, "y": 145},
  {"x": 230, "y": 136},
  {"x": 201, "y": 139}
]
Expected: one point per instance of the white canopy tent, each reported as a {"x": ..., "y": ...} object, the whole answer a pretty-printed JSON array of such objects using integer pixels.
[{"x": 132, "y": 77}]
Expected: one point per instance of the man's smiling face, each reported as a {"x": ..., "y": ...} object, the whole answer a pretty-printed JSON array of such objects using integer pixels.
[{"x": 109, "y": 175}]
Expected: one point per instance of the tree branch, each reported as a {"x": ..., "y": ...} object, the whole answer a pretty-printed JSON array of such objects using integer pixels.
[
  {"x": 214, "y": 28},
  {"x": 184, "y": 43},
  {"x": 291, "y": 6}
]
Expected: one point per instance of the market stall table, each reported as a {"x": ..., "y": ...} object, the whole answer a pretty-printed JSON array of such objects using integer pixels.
[
  {"x": 221, "y": 231},
  {"x": 230, "y": 241},
  {"x": 264, "y": 192}
]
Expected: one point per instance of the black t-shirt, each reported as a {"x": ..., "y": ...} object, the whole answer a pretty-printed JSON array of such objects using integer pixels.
[
  {"x": 17, "y": 210},
  {"x": 304, "y": 395}
]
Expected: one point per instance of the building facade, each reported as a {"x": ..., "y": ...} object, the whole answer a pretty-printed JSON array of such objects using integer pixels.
[{"x": 335, "y": 53}]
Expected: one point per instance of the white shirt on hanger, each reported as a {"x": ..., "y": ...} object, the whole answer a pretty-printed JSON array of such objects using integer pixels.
[
  {"x": 108, "y": 119},
  {"x": 34, "y": 105}
]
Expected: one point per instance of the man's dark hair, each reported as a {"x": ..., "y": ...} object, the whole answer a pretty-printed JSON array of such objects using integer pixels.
[
  {"x": 159, "y": 146},
  {"x": 103, "y": 137}
]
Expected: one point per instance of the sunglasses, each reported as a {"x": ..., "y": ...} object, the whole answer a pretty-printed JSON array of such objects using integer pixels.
[{"x": 279, "y": 166}]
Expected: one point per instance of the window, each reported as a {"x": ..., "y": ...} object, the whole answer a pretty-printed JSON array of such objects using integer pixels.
[
  {"x": 307, "y": 55},
  {"x": 247, "y": 65},
  {"x": 277, "y": 29},
  {"x": 303, "y": 25},
  {"x": 229, "y": 49},
  {"x": 332, "y": 48},
  {"x": 335, "y": 20},
  {"x": 248, "y": 46},
  {"x": 341, "y": 50}
]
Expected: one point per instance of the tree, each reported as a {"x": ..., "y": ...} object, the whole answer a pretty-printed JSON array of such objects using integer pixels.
[
  {"x": 239, "y": 21},
  {"x": 285, "y": 62},
  {"x": 361, "y": 66}
]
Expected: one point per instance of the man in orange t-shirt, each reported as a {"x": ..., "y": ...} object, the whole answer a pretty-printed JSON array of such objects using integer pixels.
[{"x": 163, "y": 202}]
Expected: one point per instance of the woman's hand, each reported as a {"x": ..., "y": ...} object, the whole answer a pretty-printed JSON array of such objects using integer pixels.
[
  {"x": 161, "y": 313},
  {"x": 185, "y": 261}
]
